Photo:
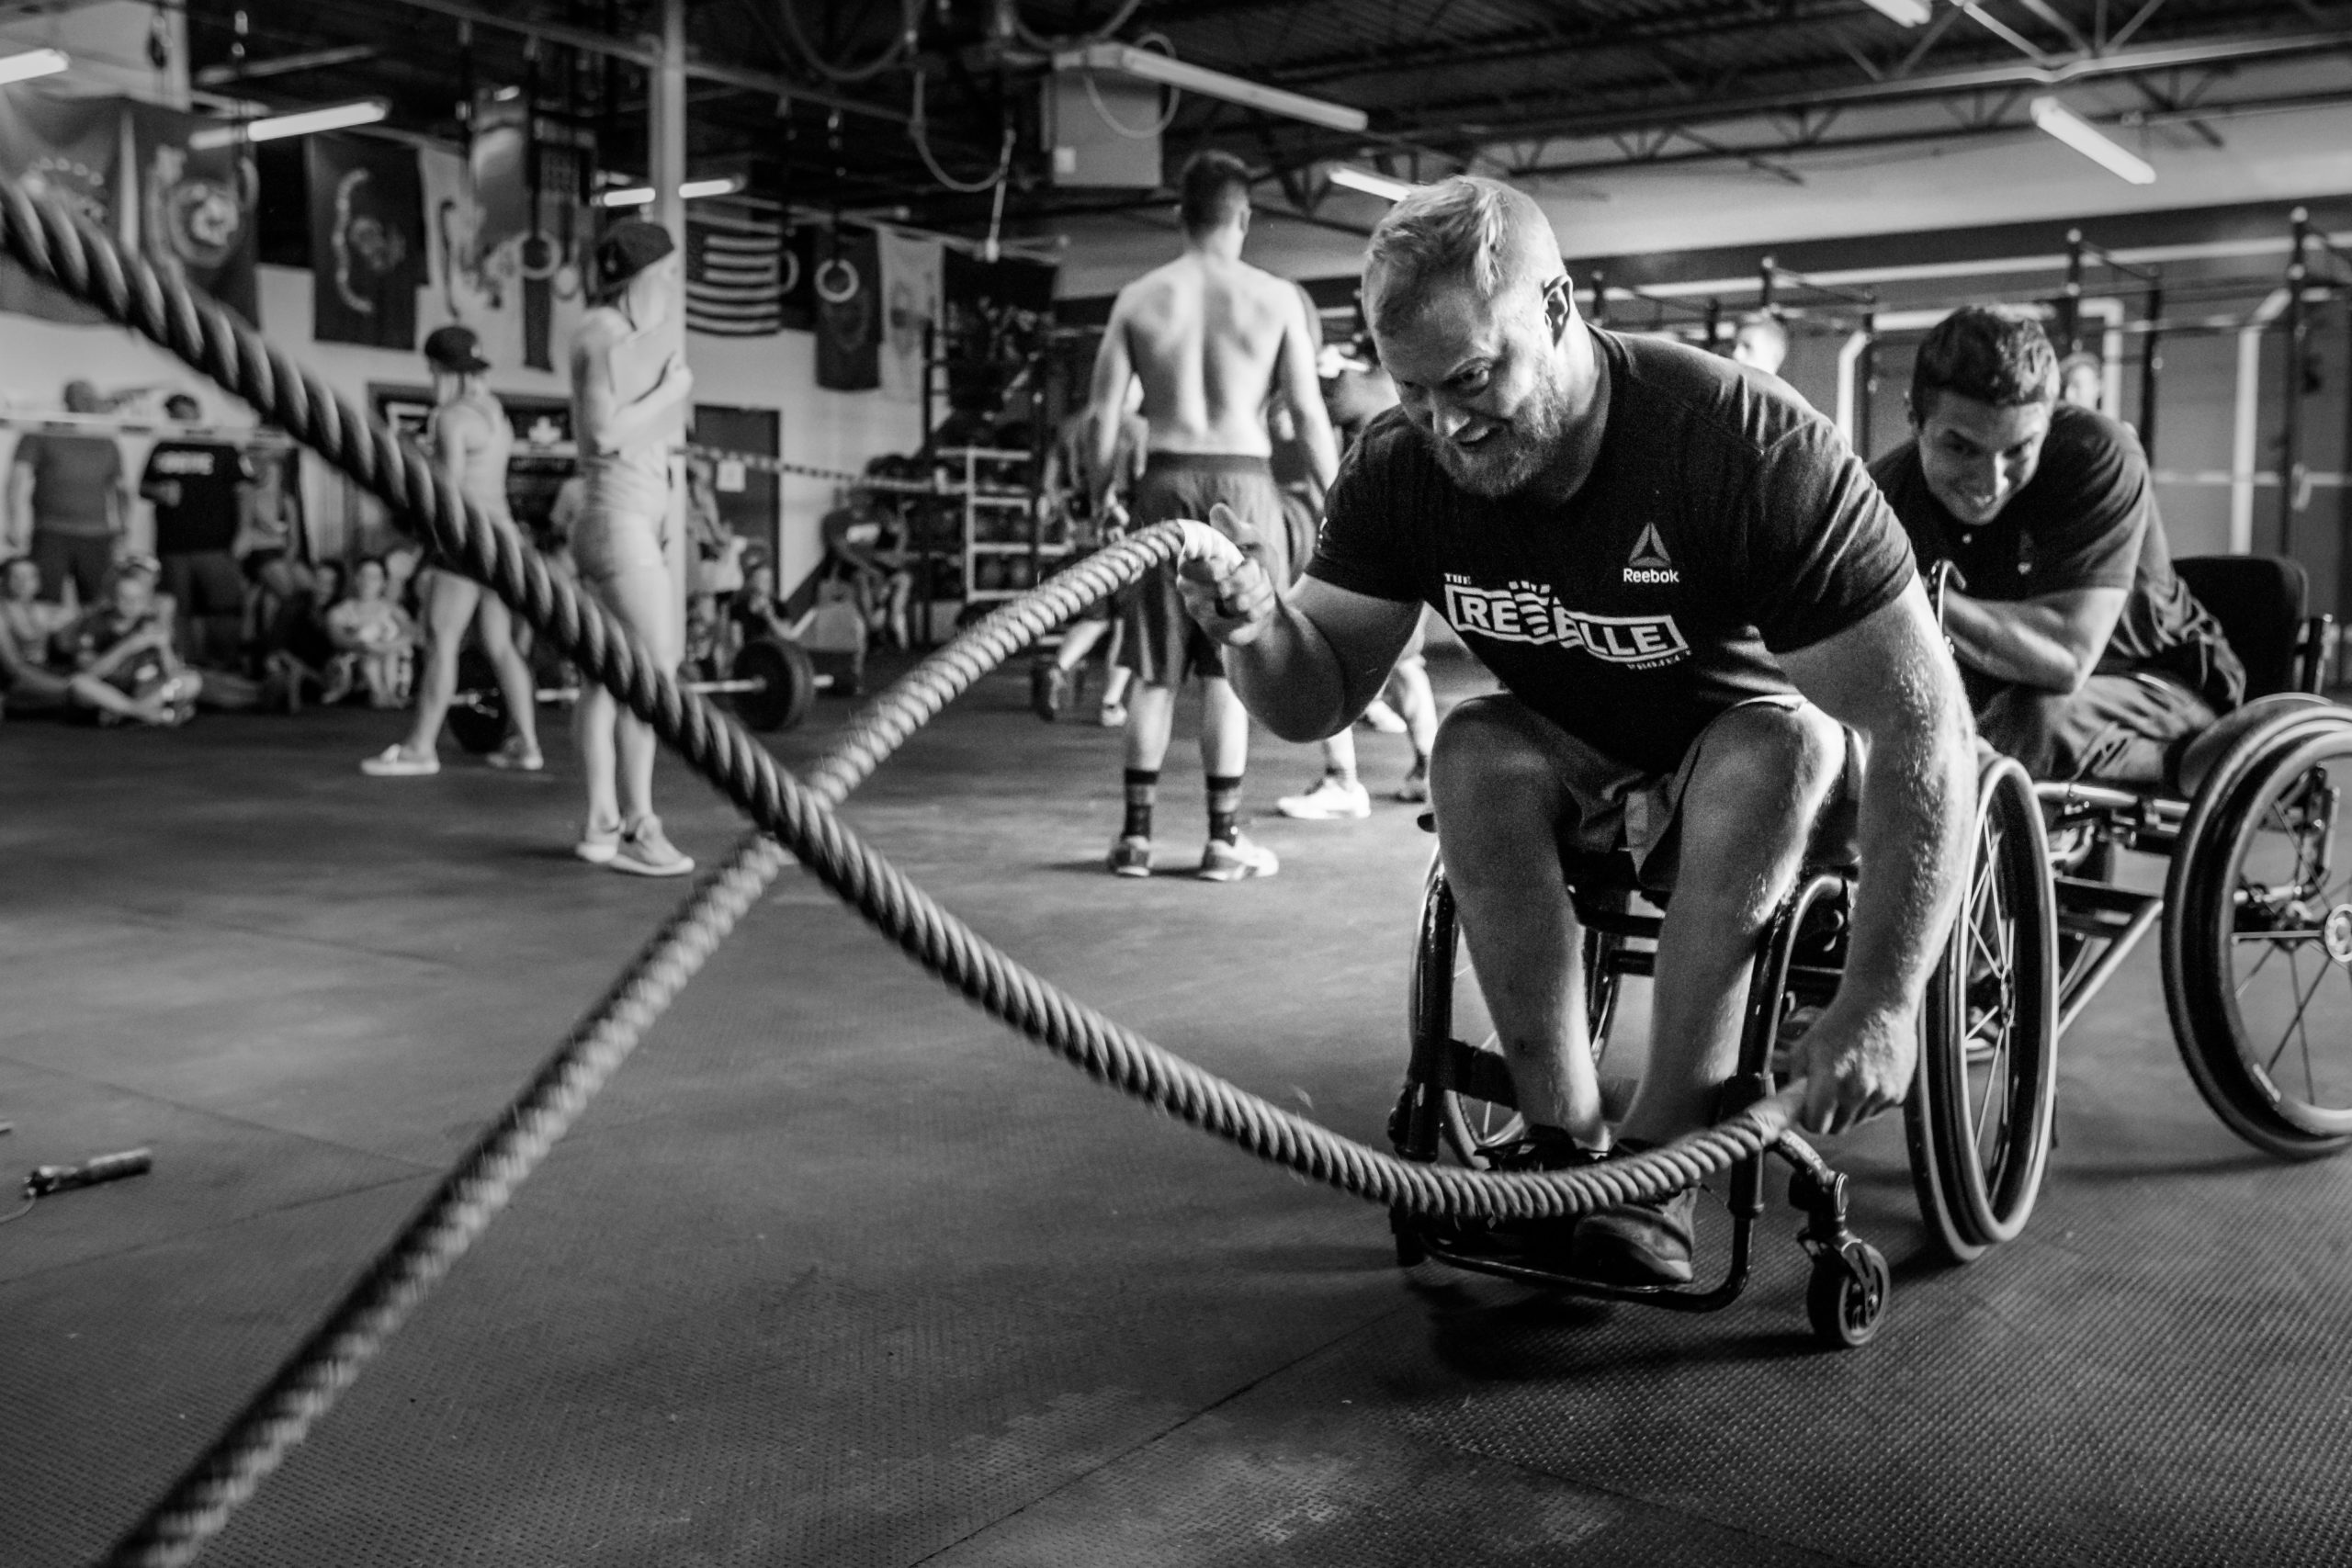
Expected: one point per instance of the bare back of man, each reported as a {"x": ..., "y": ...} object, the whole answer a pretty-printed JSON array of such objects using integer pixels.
[{"x": 1211, "y": 341}]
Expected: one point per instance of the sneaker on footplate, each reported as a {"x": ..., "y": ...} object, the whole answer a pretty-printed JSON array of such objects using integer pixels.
[
  {"x": 1331, "y": 800},
  {"x": 1237, "y": 861},
  {"x": 1541, "y": 1243},
  {"x": 1641, "y": 1244},
  {"x": 1131, "y": 856},
  {"x": 644, "y": 852}
]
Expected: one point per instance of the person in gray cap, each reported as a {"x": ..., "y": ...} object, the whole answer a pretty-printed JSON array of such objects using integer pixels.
[
  {"x": 470, "y": 437},
  {"x": 629, "y": 398}
]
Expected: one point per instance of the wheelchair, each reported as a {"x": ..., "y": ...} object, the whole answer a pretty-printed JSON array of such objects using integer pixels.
[
  {"x": 1978, "y": 1120},
  {"x": 2256, "y": 913}
]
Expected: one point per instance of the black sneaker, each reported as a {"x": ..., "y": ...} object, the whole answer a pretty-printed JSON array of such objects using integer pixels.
[
  {"x": 1644, "y": 1244},
  {"x": 1542, "y": 1243}
]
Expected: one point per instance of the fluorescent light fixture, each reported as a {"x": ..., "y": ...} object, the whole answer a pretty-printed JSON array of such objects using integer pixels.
[
  {"x": 33, "y": 63},
  {"x": 1370, "y": 183},
  {"x": 334, "y": 116},
  {"x": 1152, "y": 66},
  {"x": 1903, "y": 12},
  {"x": 2087, "y": 139},
  {"x": 640, "y": 196}
]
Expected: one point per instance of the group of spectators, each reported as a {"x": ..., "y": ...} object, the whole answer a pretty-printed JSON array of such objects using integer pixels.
[{"x": 226, "y": 610}]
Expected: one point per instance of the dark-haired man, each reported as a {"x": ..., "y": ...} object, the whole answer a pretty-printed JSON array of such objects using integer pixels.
[
  {"x": 196, "y": 487},
  {"x": 1688, "y": 585},
  {"x": 1211, "y": 338},
  {"x": 2085, "y": 655}
]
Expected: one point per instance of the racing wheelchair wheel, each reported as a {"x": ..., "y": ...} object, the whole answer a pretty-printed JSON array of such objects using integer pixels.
[
  {"x": 1979, "y": 1116},
  {"x": 2257, "y": 937}
]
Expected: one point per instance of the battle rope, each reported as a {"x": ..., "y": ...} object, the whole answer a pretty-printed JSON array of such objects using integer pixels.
[{"x": 54, "y": 246}]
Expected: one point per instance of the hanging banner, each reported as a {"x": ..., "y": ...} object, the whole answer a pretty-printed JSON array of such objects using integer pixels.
[
  {"x": 464, "y": 285},
  {"x": 910, "y": 311},
  {"x": 499, "y": 159},
  {"x": 195, "y": 209},
  {"x": 367, "y": 249},
  {"x": 797, "y": 283},
  {"x": 69, "y": 150},
  {"x": 849, "y": 315},
  {"x": 734, "y": 277}
]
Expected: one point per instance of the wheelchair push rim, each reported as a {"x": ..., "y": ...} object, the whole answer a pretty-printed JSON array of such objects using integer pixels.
[
  {"x": 2259, "y": 960},
  {"x": 1984, "y": 1095}
]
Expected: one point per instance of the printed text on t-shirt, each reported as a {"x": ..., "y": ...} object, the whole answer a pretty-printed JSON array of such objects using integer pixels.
[{"x": 1531, "y": 612}]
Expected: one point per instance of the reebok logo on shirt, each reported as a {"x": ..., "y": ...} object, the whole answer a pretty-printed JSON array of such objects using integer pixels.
[
  {"x": 1531, "y": 612},
  {"x": 1650, "y": 562}
]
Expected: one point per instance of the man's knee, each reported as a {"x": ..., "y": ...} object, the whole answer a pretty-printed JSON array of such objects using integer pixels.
[
  {"x": 1763, "y": 774},
  {"x": 1487, "y": 762}
]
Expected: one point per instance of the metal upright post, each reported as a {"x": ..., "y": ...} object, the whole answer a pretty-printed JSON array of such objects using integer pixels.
[
  {"x": 666, "y": 158},
  {"x": 1866, "y": 385},
  {"x": 2071, "y": 307},
  {"x": 2289, "y": 455},
  {"x": 2152, "y": 363}
]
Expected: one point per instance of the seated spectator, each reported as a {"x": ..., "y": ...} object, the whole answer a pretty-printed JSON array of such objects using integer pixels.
[
  {"x": 865, "y": 547},
  {"x": 753, "y": 612},
  {"x": 704, "y": 655},
  {"x": 195, "y": 487},
  {"x": 374, "y": 639},
  {"x": 298, "y": 651},
  {"x": 2085, "y": 657},
  {"x": 125, "y": 644}
]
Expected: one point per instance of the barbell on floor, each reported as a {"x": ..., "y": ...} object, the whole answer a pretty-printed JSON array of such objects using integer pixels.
[{"x": 769, "y": 686}]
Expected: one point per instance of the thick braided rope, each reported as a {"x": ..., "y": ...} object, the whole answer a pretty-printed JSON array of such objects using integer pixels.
[{"x": 49, "y": 242}]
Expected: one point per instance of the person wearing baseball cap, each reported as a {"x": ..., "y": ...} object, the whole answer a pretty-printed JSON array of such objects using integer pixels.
[
  {"x": 629, "y": 392},
  {"x": 470, "y": 436}
]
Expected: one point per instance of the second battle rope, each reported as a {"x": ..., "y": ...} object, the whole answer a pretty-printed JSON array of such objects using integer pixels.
[{"x": 794, "y": 817}]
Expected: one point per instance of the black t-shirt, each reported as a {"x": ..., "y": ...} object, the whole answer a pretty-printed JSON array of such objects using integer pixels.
[
  {"x": 208, "y": 473},
  {"x": 2086, "y": 519},
  {"x": 1724, "y": 521}
]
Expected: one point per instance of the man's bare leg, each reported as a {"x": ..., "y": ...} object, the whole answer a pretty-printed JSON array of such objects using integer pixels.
[
  {"x": 1500, "y": 804},
  {"x": 1746, "y": 816},
  {"x": 1225, "y": 730},
  {"x": 1151, "y": 718}
]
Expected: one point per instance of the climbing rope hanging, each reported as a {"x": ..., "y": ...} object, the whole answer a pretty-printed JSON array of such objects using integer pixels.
[{"x": 796, "y": 822}]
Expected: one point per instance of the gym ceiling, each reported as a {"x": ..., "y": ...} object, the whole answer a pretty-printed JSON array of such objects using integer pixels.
[{"x": 812, "y": 103}]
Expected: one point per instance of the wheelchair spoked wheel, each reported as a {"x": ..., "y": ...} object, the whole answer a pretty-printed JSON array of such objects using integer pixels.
[
  {"x": 1445, "y": 987},
  {"x": 1982, "y": 1101},
  {"x": 2258, "y": 939}
]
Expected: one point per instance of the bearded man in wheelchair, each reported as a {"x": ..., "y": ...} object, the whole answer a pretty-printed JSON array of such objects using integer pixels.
[{"x": 1716, "y": 656}]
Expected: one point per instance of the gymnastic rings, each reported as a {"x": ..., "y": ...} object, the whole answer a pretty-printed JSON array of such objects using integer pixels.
[
  {"x": 837, "y": 294},
  {"x": 790, "y": 259},
  {"x": 535, "y": 271}
]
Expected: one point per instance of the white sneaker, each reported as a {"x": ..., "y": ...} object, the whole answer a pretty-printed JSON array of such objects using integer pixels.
[
  {"x": 598, "y": 843},
  {"x": 1221, "y": 862},
  {"x": 1383, "y": 717},
  {"x": 643, "y": 852},
  {"x": 393, "y": 762},
  {"x": 1329, "y": 801}
]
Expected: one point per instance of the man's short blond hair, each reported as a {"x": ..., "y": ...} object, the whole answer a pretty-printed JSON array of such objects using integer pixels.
[{"x": 1463, "y": 228}]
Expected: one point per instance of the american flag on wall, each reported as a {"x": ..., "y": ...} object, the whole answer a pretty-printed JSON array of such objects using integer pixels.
[{"x": 735, "y": 278}]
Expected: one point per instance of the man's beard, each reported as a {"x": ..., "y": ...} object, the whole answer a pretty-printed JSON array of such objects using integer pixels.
[{"x": 1513, "y": 455}]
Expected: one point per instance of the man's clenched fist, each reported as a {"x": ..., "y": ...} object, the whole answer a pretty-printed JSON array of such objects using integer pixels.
[{"x": 1225, "y": 588}]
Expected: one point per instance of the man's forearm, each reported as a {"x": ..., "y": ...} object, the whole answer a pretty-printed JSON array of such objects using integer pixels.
[
  {"x": 1917, "y": 791},
  {"x": 1290, "y": 679},
  {"x": 2001, "y": 641}
]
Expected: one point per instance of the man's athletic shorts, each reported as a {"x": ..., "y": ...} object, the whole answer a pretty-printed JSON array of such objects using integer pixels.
[
  {"x": 1163, "y": 644},
  {"x": 1615, "y": 809}
]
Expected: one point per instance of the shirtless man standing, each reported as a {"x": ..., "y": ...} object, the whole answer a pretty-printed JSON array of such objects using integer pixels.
[
  {"x": 628, "y": 399},
  {"x": 1209, "y": 336}
]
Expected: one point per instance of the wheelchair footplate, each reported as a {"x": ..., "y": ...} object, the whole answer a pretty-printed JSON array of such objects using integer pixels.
[{"x": 1847, "y": 1296}]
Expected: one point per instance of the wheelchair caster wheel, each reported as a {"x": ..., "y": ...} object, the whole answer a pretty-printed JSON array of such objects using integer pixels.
[{"x": 1847, "y": 1297}]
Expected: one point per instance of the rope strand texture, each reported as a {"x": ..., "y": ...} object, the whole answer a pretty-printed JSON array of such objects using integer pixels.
[{"x": 795, "y": 817}]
